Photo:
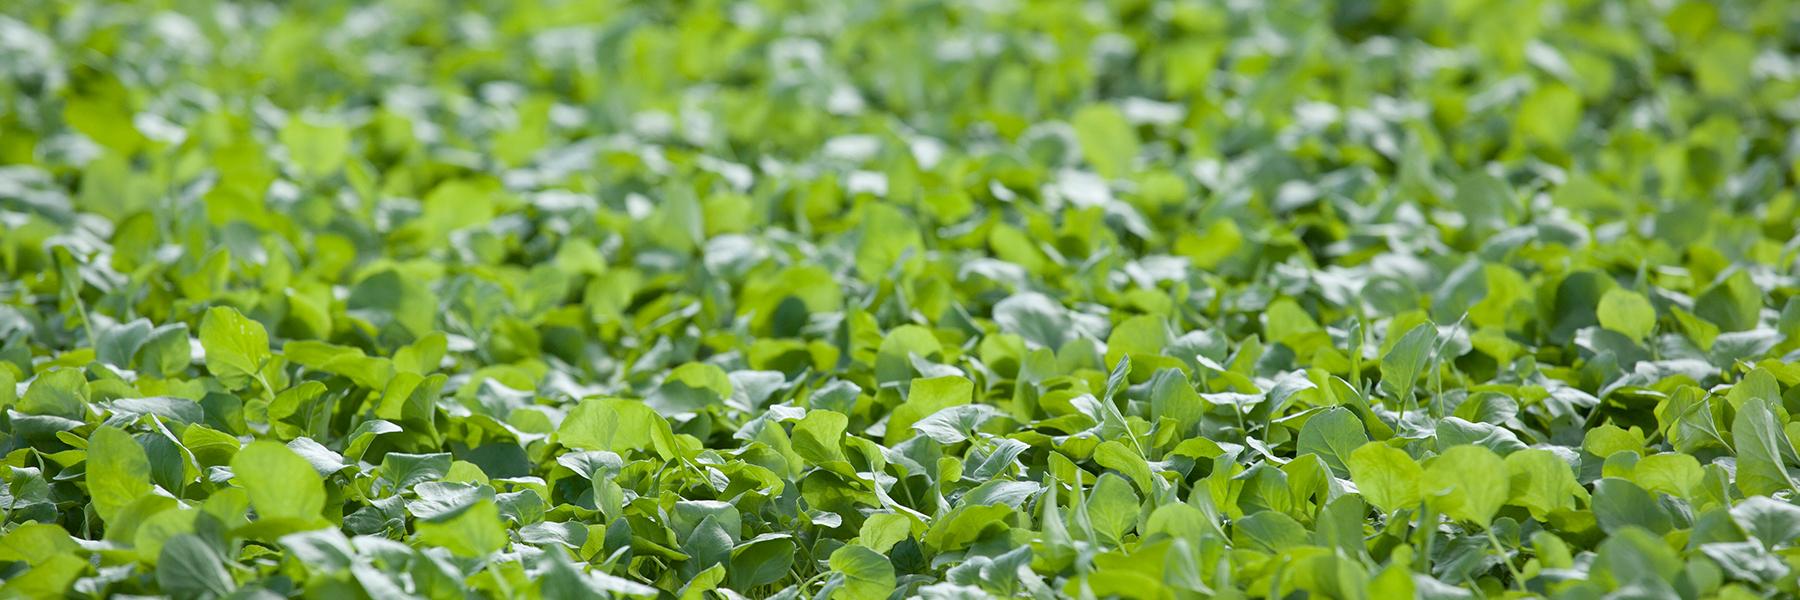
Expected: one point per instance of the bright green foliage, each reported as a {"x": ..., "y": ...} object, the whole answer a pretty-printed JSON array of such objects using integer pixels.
[
  {"x": 883, "y": 299},
  {"x": 280, "y": 484},
  {"x": 1626, "y": 312}
]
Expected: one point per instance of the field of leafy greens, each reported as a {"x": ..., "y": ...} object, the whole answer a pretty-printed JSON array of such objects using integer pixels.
[{"x": 889, "y": 299}]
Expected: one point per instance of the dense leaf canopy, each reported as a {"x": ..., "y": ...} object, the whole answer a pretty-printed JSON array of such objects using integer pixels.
[{"x": 899, "y": 298}]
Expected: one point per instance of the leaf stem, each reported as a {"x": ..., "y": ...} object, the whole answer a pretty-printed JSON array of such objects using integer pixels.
[
  {"x": 1517, "y": 577},
  {"x": 1427, "y": 529}
]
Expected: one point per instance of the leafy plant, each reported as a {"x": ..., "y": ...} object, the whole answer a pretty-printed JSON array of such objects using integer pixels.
[{"x": 868, "y": 300}]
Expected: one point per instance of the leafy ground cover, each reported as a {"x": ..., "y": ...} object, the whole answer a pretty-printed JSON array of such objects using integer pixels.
[{"x": 1143, "y": 299}]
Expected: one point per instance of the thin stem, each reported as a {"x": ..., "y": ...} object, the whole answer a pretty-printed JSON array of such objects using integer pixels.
[
  {"x": 1356, "y": 348},
  {"x": 1518, "y": 578},
  {"x": 1428, "y": 532},
  {"x": 87, "y": 321},
  {"x": 499, "y": 580}
]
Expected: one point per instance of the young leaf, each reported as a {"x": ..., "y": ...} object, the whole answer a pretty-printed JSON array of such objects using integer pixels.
[
  {"x": 281, "y": 484},
  {"x": 867, "y": 574},
  {"x": 118, "y": 471},
  {"x": 1333, "y": 435},
  {"x": 1402, "y": 364},
  {"x": 236, "y": 347},
  {"x": 1465, "y": 484},
  {"x": 1763, "y": 449},
  {"x": 1386, "y": 476},
  {"x": 1627, "y": 312}
]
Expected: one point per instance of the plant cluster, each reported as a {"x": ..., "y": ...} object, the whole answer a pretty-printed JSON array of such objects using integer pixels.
[{"x": 912, "y": 298}]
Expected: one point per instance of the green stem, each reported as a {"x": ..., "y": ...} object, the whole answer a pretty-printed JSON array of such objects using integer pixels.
[
  {"x": 1428, "y": 534},
  {"x": 499, "y": 580},
  {"x": 87, "y": 321},
  {"x": 268, "y": 390},
  {"x": 1518, "y": 578},
  {"x": 1356, "y": 348}
]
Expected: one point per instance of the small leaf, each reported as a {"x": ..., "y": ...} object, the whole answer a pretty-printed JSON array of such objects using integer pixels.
[
  {"x": 1465, "y": 484},
  {"x": 1627, "y": 312},
  {"x": 1619, "y": 503},
  {"x": 616, "y": 425},
  {"x": 1386, "y": 476},
  {"x": 1112, "y": 508},
  {"x": 1333, "y": 435},
  {"x": 118, "y": 471},
  {"x": 1402, "y": 364},
  {"x": 281, "y": 484},
  {"x": 1541, "y": 482},
  {"x": 1268, "y": 531},
  {"x": 61, "y": 393},
  {"x": 475, "y": 531},
  {"x": 188, "y": 566},
  {"x": 925, "y": 397},
  {"x": 236, "y": 347},
  {"x": 1107, "y": 140},
  {"x": 1763, "y": 449},
  {"x": 867, "y": 574},
  {"x": 1771, "y": 521}
]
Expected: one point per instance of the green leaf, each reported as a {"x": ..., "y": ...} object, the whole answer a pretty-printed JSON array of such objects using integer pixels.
[
  {"x": 167, "y": 351},
  {"x": 1112, "y": 508},
  {"x": 867, "y": 574},
  {"x": 1608, "y": 439},
  {"x": 475, "y": 531},
  {"x": 689, "y": 388},
  {"x": 1619, "y": 503},
  {"x": 818, "y": 437},
  {"x": 1117, "y": 456},
  {"x": 1487, "y": 201},
  {"x": 1107, "y": 140},
  {"x": 1668, "y": 473},
  {"x": 1268, "y": 531},
  {"x": 1463, "y": 483},
  {"x": 1173, "y": 396},
  {"x": 1639, "y": 558},
  {"x": 1550, "y": 114},
  {"x": 1541, "y": 482},
  {"x": 59, "y": 393},
  {"x": 1402, "y": 364},
  {"x": 955, "y": 424},
  {"x": 406, "y": 470},
  {"x": 1333, "y": 435},
  {"x": 965, "y": 525},
  {"x": 1627, "y": 312},
  {"x": 1141, "y": 338},
  {"x": 188, "y": 566},
  {"x": 1763, "y": 449},
  {"x": 36, "y": 543},
  {"x": 1033, "y": 316},
  {"x": 318, "y": 149},
  {"x": 116, "y": 345},
  {"x": 118, "y": 471},
  {"x": 390, "y": 300},
  {"x": 889, "y": 237},
  {"x": 1386, "y": 476},
  {"x": 561, "y": 579},
  {"x": 1734, "y": 303},
  {"x": 1768, "y": 520},
  {"x": 443, "y": 500},
  {"x": 281, "y": 484},
  {"x": 923, "y": 398},
  {"x": 881, "y": 531},
  {"x": 1138, "y": 299},
  {"x": 760, "y": 562},
  {"x": 615, "y": 425},
  {"x": 236, "y": 347},
  {"x": 1178, "y": 520}
]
